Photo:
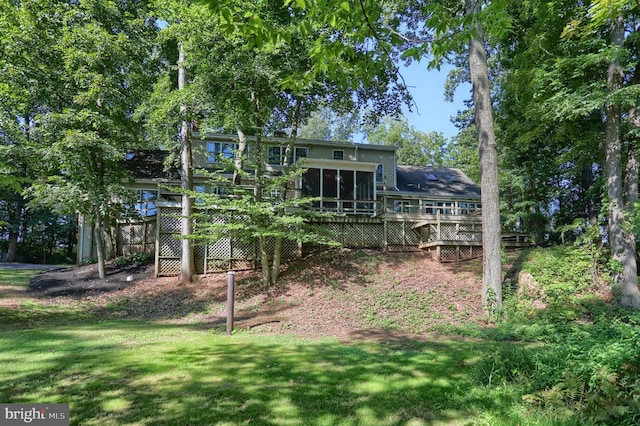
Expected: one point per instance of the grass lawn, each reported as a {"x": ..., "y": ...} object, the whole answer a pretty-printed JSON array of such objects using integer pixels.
[
  {"x": 116, "y": 373},
  {"x": 124, "y": 372},
  {"x": 16, "y": 277}
]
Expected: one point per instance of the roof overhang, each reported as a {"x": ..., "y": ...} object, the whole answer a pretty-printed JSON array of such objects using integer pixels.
[{"x": 362, "y": 166}]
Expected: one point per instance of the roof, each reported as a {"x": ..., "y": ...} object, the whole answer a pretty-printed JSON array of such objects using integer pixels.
[
  {"x": 149, "y": 164},
  {"x": 437, "y": 181},
  {"x": 272, "y": 140}
]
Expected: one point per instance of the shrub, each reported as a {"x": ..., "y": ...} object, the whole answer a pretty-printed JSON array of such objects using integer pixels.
[
  {"x": 587, "y": 361},
  {"x": 136, "y": 259}
]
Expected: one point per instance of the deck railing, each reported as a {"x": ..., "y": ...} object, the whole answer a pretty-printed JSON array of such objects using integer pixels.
[{"x": 348, "y": 207}]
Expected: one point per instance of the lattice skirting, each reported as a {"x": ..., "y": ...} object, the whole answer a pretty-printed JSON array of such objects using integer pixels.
[
  {"x": 135, "y": 237},
  {"x": 222, "y": 255},
  {"x": 452, "y": 232},
  {"x": 228, "y": 254},
  {"x": 455, "y": 253}
]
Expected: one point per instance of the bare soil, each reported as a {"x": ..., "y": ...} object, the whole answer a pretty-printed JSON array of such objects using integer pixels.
[{"x": 342, "y": 293}]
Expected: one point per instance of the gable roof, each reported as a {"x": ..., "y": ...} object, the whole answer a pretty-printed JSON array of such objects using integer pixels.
[{"x": 437, "y": 181}]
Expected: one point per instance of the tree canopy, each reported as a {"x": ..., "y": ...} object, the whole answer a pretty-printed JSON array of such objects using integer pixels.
[{"x": 550, "y": 133}]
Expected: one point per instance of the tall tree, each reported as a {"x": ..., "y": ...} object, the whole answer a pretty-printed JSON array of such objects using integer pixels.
[
  {"x": 270, "y": 82},
  {"x": 326, "y": 124},
  {"x": 622, "y": 242},
  {"x": 413, "y": 146},
  {"x": 582, "y": 76},
  {"x": 30, "y": 71},
  {"x": 187, "y": 267},
  {"x": 488, "y": 148},
  {"x": 178, "y": 102},
  {"x": 104, "y": 49},
  {"x": 442, "y": 30}
]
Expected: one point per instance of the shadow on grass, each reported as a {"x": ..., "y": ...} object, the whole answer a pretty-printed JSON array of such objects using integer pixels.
[{"x": 124, "y": 373}]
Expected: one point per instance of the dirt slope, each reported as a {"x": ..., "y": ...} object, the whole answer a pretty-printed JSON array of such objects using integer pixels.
[{"x": 342, "y": 293}]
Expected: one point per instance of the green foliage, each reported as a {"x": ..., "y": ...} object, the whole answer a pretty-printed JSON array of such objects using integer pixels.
[
  {"x": 585, "y": 366},
  {"x": 326, "y": 124},
  {"x": 413, "y": 146},
  {"x": 135, "y": 260},
  {"x": 262, "y": 209},
  {"x": 587, "y": 371},
  {"x": 564, "y": 279}
]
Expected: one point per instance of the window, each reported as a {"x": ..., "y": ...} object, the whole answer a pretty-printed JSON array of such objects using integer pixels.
[
  {"x": 345, "y": 191},
  {"x": 300, "y": 153},
  {"x": 380, "y": 174},
  {"x": 402, "y": 206},
  {"x": 429, "y": 207},
  {"x": 143, "y": 203},
  {"x": 205, "y": 189},
  {"x": 277, "y": 154},
  {"x": 338, "y": 154},
  {"x": 467, "y": 208},
  {"x": 431, "y": 177},
  {"x": 220, "y": 149},
  {"x": 446, "y": 207}
]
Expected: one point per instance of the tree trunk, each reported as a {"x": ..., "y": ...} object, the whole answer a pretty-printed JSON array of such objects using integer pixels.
[
  {"x": 186, "y": 177},
  {"x": 286, "y": 166},
  {"x": 264, "y": 261},
  {"x": 487, "y": 147},
  {"x": 630, "y": 294},
  {"x": 98, "y": 230},
  {"x": 15, "y": 222},
  {"x": 239, "y": 159},
  {"x": 620, "y": 240},
  {"x": 72, "y": 238},
  {"x": 277, "y": 259}
]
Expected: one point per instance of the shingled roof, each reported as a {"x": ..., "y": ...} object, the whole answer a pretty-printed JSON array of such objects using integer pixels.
[
  {"x": 149, "y": 164},
  {"x": 438, "y": 181}
]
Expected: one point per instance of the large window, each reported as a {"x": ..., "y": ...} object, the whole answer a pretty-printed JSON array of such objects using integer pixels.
[
  {"x": 446, "y": 207},
  {"x": 142, "y": 203},
  {"x": 467, "y": 208},
  {"x": 215, "y": 150},
  {"x": 277, "y": 154},
  {"x": 449, "y": 207},
  {"x": 345, "y": 191}
]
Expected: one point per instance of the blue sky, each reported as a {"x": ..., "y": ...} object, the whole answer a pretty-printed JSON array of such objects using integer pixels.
[{"x": 427, "y": 88}]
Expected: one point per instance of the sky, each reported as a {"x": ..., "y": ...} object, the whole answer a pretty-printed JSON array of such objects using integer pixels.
[{"x": 427, "y": 88}]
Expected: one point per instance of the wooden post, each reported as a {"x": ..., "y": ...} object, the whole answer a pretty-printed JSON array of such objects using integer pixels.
[
  {"x": 157, "y": 244},
  {"x": 385, "y": 236},
  {"x": 231, "y": 277}
]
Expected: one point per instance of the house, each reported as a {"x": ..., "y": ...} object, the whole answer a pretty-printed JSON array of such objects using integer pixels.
[{"x": 375, "y": 202}]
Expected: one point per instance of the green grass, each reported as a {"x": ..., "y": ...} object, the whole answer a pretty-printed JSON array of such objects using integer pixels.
[
  {"x": 116, "y": 371},
  {"x": 121, "y": 372},
  {"x": 16, "y": 277}
]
